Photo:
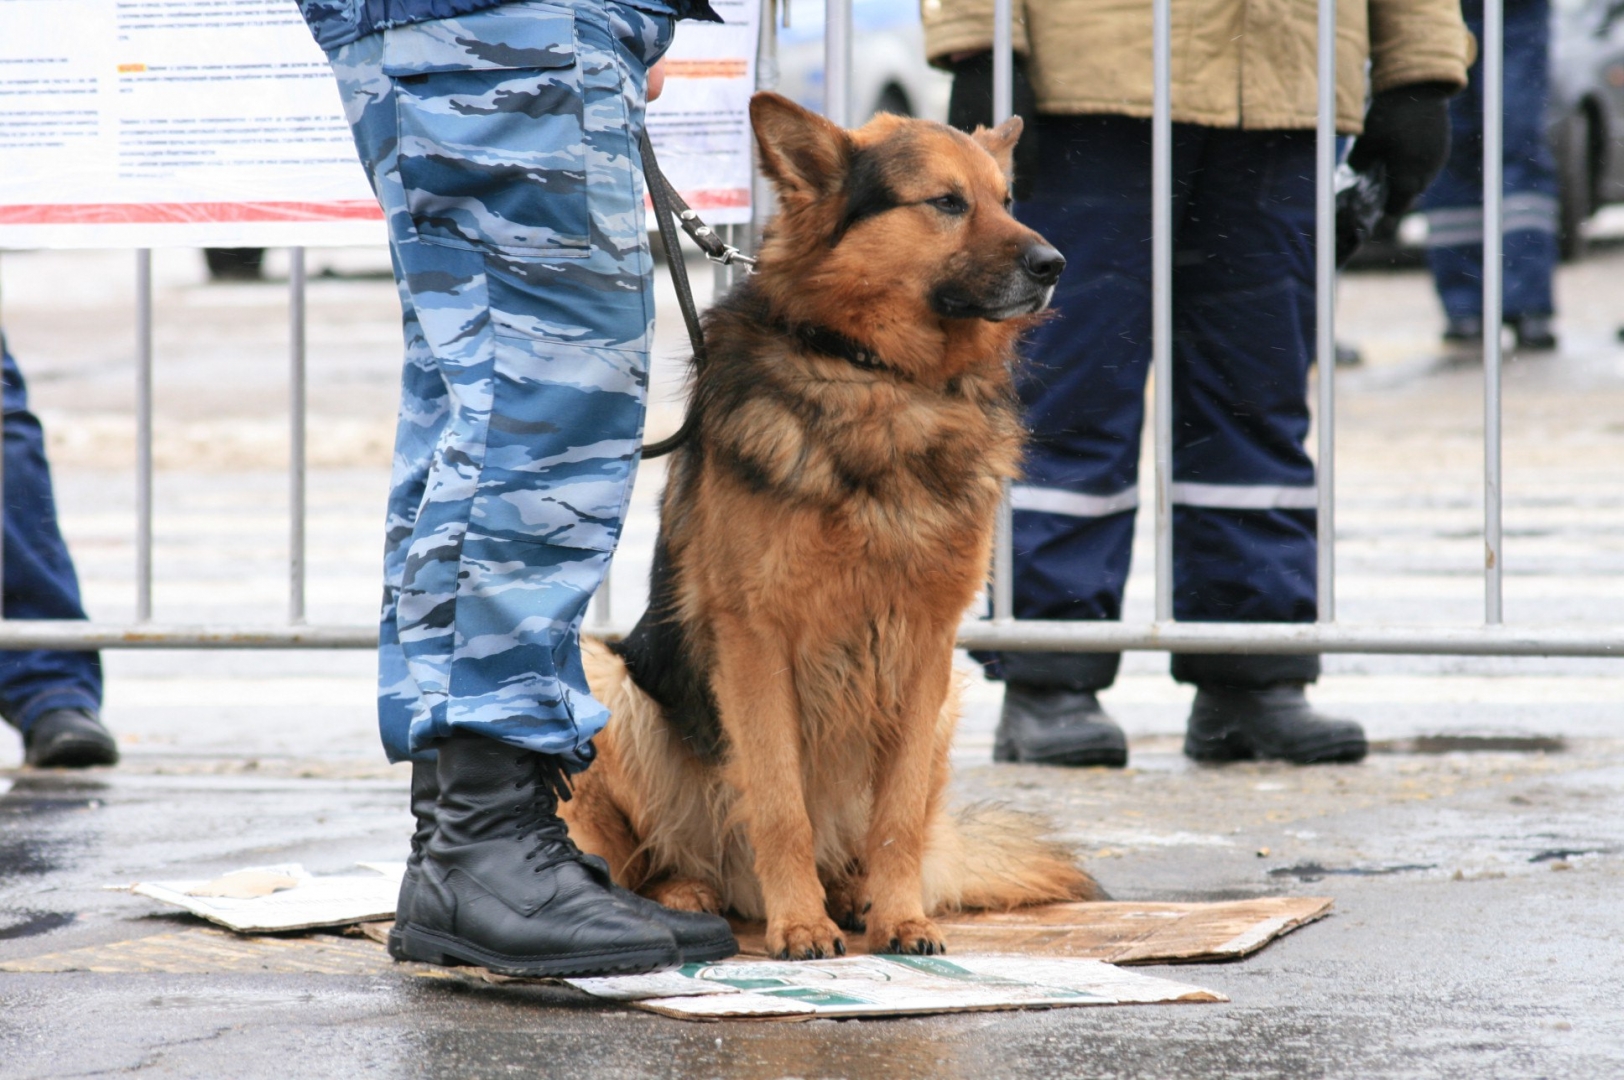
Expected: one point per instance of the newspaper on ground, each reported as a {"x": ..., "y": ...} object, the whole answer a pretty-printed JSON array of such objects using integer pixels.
[
  {"x": 1136, "y": 932},
  {"x": 270, "y": 899},
  {"x": 886, "y": 986}
]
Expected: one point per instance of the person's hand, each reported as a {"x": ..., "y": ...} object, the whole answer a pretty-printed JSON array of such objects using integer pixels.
[
  {"x": 656, "y": 79},
  {"x": 1407, "y": 130},
  {"x": 971, "y": 106}
]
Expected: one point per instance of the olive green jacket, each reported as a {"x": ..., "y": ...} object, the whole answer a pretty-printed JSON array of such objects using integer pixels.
[{"x": 1236, "y": 63}]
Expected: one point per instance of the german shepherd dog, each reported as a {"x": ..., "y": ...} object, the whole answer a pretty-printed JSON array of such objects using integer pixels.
[{"x": 783, "y": 711}]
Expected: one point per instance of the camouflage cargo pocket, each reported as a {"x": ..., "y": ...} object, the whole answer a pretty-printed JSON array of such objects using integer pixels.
[{"x": 490, "y": 114}]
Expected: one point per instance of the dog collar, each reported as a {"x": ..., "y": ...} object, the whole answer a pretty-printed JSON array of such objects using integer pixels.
[{"x": 834, "y": 343}]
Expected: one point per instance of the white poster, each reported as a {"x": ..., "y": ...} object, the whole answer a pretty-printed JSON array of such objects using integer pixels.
[
  {"x": 142, "y": 123},
  {"x": 700, "y": 126},
  {"x": 149, "y": 123}
]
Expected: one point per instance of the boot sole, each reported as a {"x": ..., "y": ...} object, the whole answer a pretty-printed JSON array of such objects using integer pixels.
[
  {"x": 1340, "y": 751},
  {"x": 705, "y": 952},
  {"x": 432, "y": 947},
  {"x": 73, "y": 752}
]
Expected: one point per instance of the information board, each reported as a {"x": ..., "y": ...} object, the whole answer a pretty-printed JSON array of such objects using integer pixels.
[{"x": 149, "y": 123}]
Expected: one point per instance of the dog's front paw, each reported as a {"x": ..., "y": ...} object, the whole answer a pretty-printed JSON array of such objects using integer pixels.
[
  {"x": 685, "y": 894},
  {"x": 814, "y": 938},
  {"x": 914, "y": 936}
]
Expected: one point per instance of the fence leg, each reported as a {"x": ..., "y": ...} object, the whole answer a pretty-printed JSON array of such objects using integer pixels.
[
  {"x": 143, "y": 435},
  {"x": 1493, "y": 275},
  {"x": 1325, "y": 310},
  {"x": 1161, "y": 198},
  {"x": 296, "y": 434}
]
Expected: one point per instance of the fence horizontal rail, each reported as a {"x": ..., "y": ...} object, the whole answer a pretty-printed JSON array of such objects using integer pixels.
[{"x": 1269, "y": 638}]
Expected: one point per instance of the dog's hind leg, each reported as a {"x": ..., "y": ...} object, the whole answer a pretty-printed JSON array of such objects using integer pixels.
[
  {"x": 906, "y": 796},
  {"x": 846, "y": 897},
  {"x": 599, "y": 827},
  {"x": 756, "y": 700}
]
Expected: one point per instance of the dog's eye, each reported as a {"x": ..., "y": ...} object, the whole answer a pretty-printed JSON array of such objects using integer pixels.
[
  {"x": 950, "y": 204},
  {"x": 1009, "y": 202}
]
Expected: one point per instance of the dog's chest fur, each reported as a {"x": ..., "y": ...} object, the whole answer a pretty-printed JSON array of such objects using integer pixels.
[{"x": 872, "y": 490}]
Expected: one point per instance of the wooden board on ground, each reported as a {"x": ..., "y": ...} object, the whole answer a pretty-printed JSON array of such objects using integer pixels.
[{"x": 1117, "y": 932}]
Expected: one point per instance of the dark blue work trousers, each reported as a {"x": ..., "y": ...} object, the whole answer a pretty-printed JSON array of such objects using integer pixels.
[
  {"x": 1243, "y": 332},
  {"x": 39, "y": 578},
  {"x": 1454, "y": 203}
]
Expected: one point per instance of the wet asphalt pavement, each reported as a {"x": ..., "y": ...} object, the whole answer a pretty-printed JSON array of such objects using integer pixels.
[{"x": 1477, "y": 930}]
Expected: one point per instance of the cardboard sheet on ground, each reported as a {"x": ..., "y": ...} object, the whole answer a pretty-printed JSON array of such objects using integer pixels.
[
  {"x": 885, "y": 986},
  {"x": 1117, "y": 932},
  {"x": 267, "y": 899}
]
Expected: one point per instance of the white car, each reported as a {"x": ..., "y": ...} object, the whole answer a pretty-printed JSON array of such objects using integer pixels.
[{"x": 889, "y": 72}]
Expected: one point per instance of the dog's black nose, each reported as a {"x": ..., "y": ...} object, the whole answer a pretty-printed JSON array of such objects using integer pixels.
[{"x": 1043, "y": 263}]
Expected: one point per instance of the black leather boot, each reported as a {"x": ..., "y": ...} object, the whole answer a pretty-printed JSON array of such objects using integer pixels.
[
  {"x": 69, "y": 739},
  {"x": 700, "y": 938},
  {"x": 1043, "y": 725},
  {"x": 501, "y": 885},
  {"x": 1232, "y": 724},
  {"x": 425, "y": 790}
]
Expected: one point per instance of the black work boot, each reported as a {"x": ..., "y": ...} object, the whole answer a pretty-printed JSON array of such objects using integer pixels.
[
  {"x": 425, "y": 790},
  {"x": 700, "y": 938},
  {"x": 1234, "y": 724},
  {"x": 1044, "y": 725},
  {"x": 501, "y": 885},
  {"x": 69, "y": 739}
]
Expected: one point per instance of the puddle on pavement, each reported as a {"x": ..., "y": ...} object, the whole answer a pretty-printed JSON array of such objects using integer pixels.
[
  {"x": 1454, "y": 742},
  {"x": 33, "y": 923},
  {"x": 1311, "y": 871}
]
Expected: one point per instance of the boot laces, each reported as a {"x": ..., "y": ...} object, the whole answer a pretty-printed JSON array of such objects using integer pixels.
[{"x": 538, "y": 818}]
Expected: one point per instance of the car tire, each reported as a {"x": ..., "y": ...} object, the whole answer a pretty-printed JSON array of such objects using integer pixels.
[
  {"x": 893, "y": 100},
  {"x": 235, "y": 264},
  {"x": 1575, "y": 169}
]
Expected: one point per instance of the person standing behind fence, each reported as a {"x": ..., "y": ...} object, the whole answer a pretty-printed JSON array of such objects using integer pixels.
[
  {"x": 52, "y": 696},
  {"x": 1243, "y": 111},
  {"x": 501, "y": 141},
  {"x": 1454, "y": 204}
]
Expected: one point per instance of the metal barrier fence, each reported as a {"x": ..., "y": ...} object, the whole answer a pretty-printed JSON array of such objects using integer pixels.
[{"x": 1002, "y": 630}]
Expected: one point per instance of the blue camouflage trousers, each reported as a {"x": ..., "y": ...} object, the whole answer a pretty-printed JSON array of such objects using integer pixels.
[{"x": 502, "y": 147}]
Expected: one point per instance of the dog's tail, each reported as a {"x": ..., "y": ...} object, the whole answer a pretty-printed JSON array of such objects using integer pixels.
[{"x": 989, "y": 857}]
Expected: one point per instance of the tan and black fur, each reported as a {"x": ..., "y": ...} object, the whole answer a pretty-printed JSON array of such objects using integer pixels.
[{"x": 783, "y": 712}]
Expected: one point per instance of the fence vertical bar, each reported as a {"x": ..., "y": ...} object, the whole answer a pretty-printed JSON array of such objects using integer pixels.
[
  {"x": 1493, "y": 271},
  {"x": 297, "y": 399},
  {"x": 1003, "y": 105},
  {"x": 1161, "y": 284},
  {"x": 1325, "y": 310},
  {"x": 837, "y": 62},
  {"x": 143, "y": 435}
]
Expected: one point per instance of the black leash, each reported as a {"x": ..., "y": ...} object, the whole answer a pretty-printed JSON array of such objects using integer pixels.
[{"x": 668, "y": 204}]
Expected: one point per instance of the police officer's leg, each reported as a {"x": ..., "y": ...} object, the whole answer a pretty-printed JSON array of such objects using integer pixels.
[
  {"x": 52, "y": 696},
  {"x": 1083, "y": 388},
  {"x": 1530, "y": 178},
  {"x": 473, "y": 189},
  {"x": 1243, "y": 486},
  {"x": 1454, "y": 211}
]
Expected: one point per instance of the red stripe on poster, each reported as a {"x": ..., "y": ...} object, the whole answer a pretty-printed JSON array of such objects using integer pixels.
[{"x": 189, "y": 213}]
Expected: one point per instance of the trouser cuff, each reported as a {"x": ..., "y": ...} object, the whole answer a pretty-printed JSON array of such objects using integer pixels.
[
  {"x": 1060, "y": 670},
  {"x": 1244, "y": 671}
]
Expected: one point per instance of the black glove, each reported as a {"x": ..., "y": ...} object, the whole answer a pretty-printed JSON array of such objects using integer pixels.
[
  {"x": 1407, "y": 130},
  {"x": 971, "y": 106}
]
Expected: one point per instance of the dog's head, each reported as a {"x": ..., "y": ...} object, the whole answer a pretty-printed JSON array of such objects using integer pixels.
[{"x": 914, "y": 215}]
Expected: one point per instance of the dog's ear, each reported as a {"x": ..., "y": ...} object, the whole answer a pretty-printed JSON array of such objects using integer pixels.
[
  {"x": 1000, "y": 142},
  {"x": 801, "y": 152}
]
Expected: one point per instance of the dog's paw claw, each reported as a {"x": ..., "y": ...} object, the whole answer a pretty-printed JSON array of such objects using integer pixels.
[
  {"x": 912, "y": 937},
  {"x": 810, "y": 939}
]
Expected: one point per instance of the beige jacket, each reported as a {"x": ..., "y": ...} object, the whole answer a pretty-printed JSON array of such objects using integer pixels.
[{"x": 1236, "y": 63}]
